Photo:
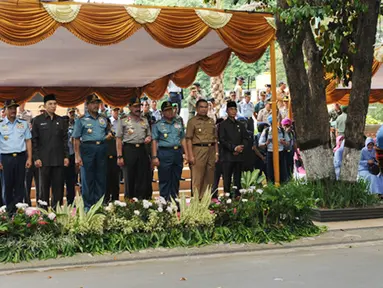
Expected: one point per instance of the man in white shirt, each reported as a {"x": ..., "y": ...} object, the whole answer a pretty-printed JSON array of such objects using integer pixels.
[
  {"x": 238, "y": 89},
  {"x": 175, "y": 94},
  {"x": 247, "y": 110},
  {"x": 155, "y": 112}
]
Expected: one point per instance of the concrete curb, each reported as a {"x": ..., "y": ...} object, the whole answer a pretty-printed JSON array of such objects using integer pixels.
[{"x": 335, "y": 239}]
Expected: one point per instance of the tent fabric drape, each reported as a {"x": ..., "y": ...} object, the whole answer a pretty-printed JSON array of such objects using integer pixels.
[
  {"x": 342, "y": 96},
  {"x": 27, "y": 22}
]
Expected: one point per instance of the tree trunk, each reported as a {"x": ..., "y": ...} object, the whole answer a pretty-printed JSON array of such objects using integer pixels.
[
  {"x": 308, "y": 98},
  {"x": 217, "y": 91},
  {"x": 360, "y": 91}
]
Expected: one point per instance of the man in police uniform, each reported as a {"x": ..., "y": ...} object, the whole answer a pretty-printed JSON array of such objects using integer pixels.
[
  {"x": 50, "y": 150},
  {"x": 16, "y": 155},
  {"x": 133, "y": 133},
  {"x": 247, "y": 110},
  {"x": 113, "y": 173},
  {"x": 90, "y": 154},
  {"x": 167, "y": 147},
  {"x": 70, "y": 171},
  {"x": 202, "y": 148}
]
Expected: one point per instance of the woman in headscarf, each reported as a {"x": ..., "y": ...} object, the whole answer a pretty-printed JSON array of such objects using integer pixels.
[
  {"x": 367, "y": 161},
  {"x": 338, "y": 156}
]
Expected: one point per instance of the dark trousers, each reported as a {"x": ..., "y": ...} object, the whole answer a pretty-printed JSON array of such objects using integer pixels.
[
  {"x": 250, "y": 125},
  {"x": 1, "y": 189},
  {"x": 138, "y": 172},
  {"x": 218, "y": 172},
  {"x": 270, "y": 167},
  {"x": 30, "y": 174},
  {"x": 169, "y": 172},
  {"x": 13, "y": 179},
  {"x": 232, "y": 169},
  {"x": 52, "y": 176},
  {"x": 70, "y": 180},
  {"x": 176, "y": 98},
  {"x": 93, "y": 172},
  {"x": 112, "y": 180},
  {"x": 289, "y": 158},
  {"x": 260, "y": 165}
]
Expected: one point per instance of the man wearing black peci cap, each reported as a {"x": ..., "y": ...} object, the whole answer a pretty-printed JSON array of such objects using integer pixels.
[
  {"x": 50, "y": 151},
  {"x": 133, "y": 134},
  {"x": 16, "y": 155},
  {"x": 233, "y": 139},
  {"x": 90, "y": 154}
]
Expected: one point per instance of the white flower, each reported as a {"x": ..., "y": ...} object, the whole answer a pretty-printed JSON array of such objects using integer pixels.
[
  {"x": 227, "y": 194},
  {"x": 235, "y": 187},
  {"x": 174, "y": 207},
  {"x": 108, "y": 208},
  {"x": 29, "y": 211},
  {"x": 244, "y": 200},
  {"x": 3, "y": 209},
  {"x": 21, "y": 205},
  {"x": 260, "y": 191},
  {"x": 252, "y": 187},
  {"x": 146, "y": 204},
  {"x": 228, "y": 201},
  {"x": 160, "y": 209},
  {"x": 135, "y": 199},
  {"x": 42, "y": 203},
  {"x": 119, "y": 203},
  {"x": 242, "y": 191},
  {"x": 177, "y": 200},
  {"x": 52, "y": 216},
  {"x": 169, "y": 209},
  {"x": 162, "y": 200},
  {"x": 136, "y": 212}
]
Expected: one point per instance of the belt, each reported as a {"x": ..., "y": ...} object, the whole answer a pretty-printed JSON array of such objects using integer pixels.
[
  {"x": 137, "y": 145},
  {"x": 170, "y": 148},
  {"x": 93, "y": 142},
  {"x": 14, "y": 154},
  {"x": 204, "y": 144}
]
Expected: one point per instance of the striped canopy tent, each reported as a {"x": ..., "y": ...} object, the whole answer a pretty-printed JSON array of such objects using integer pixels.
[
  {"x": 119, "y": 51},
  {"x": 336, "y": 93}
]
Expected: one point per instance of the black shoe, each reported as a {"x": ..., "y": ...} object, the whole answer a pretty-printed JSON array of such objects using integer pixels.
[{"x": 182, "y": 179}]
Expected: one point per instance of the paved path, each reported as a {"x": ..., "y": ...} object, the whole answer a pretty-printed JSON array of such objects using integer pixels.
[{"x": 359, "y": 266}]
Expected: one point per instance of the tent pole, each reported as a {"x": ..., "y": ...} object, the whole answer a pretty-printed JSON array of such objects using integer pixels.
[{"x": 274, "y": 124}]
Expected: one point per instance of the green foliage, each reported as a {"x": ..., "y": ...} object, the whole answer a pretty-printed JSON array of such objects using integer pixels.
[
  {"x": 252, "y": 179},
  {"x": 375, "y": 111},
  {"x": 339, "y": 194}
]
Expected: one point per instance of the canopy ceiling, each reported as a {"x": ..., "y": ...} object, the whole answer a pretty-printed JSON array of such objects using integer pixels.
[{"x": 118, "y": 51}]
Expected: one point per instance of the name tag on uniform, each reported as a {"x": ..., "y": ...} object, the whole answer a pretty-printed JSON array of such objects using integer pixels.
[{"x": 42, "y": 124}]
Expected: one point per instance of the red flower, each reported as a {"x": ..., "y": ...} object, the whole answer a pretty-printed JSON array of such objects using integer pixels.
[
  {"x": 42, "y": 223},
  {"x": 234, "y": 210},
  {"x": 29, "y": 225}
]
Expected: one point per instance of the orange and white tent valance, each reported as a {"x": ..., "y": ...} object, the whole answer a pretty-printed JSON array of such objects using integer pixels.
[{"x": 118, "y": 51}]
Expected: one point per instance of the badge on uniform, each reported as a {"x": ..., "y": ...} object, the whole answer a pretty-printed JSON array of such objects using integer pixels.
[
  {"x": 101, "y": 121},
  {"x": 142, "y": 123},
  {"x": 5, "y": 127},
  {"x": 89, "y": 131},
  {"x": 6, "y": 137},
  {"x": 20, "y": 126},
  {"x": 166, "y": 135},
  {"x": 130, "y": 131},
  {"x": 199, "y": 130},
  {"x": 177, "y": 126}
]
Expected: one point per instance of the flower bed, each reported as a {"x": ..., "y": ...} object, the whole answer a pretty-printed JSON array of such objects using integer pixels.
[{"x": 258, "y": 216}]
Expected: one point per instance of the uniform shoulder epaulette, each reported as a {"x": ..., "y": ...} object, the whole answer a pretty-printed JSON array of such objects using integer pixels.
[
  {"x": 1, "y": 120},
  {"x": 21, "y": 119}
]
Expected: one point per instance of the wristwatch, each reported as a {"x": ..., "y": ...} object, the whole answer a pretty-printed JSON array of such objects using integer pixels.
[
  {"x": 154, "y": 157},
  {"x": 120, "y": 157}
]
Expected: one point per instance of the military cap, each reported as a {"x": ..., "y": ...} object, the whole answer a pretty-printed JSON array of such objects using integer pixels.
[
  {"x": 134, "y": 101},
  {"x": 240, "y": 78},
  {"x": 268, "y": 85},
  {"x": 49, "y": 97},
  {"x": 196, "y": 84},
  {"x": 73, "y": 109},
  {"x": 231, "y": 104},
  {"x": 247, "y": 92},
  {"x": 10, "y": 103},
  {"x": 92, "y": 98},
  {"x": 167, "y": 105}
]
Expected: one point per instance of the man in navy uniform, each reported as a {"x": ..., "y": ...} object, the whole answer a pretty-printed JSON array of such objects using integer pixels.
[
  {"x": 50, "y": 151},
  {"x": 167, "y": 148},
  {"x": 16, "y": 155},
  {"x": 90, "y": 151}
]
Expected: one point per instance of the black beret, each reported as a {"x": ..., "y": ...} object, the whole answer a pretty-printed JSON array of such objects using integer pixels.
[
  {"x": 231, "y": 104},
  {"x": 49, "y": 97}
]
